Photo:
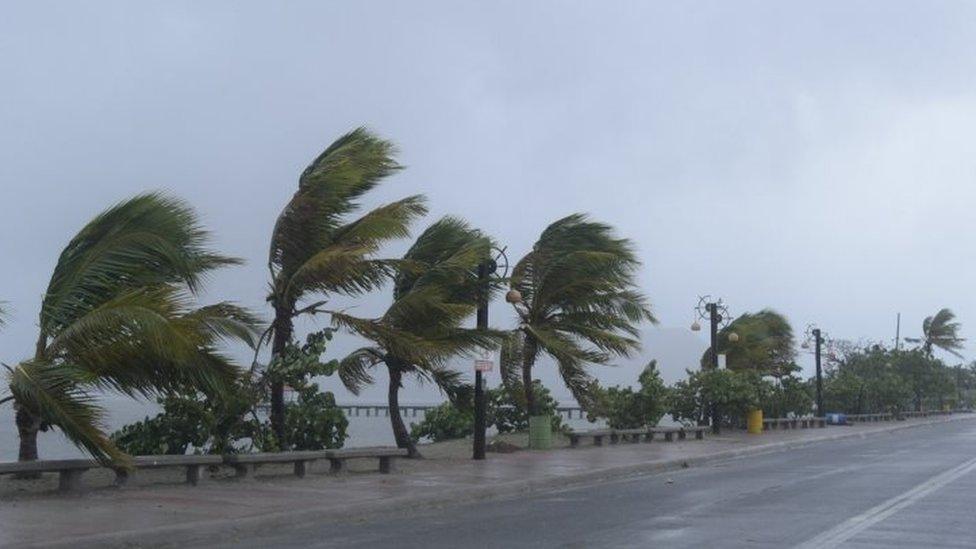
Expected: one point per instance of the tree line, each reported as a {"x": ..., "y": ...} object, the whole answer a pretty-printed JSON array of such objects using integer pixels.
[{"x": 121, "y": 313}]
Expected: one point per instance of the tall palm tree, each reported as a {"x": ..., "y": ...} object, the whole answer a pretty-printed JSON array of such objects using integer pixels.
[
  {"x": 436, "y": 290},
  {"x": 118, "y": 315},
  {"x": 316, "y": 249},
  {"x": 940, "y": 331},
  {"x": 577, "y": 300}
]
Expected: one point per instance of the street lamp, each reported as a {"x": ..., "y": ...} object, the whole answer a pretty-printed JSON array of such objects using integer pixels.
[
  {"x": 817, "y": 337},
  {"x": 717, "y": 314},
  {"x": 486, "y": 270}
]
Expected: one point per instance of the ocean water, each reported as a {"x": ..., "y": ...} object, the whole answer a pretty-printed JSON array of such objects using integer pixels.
[{"x": 363, "y": 431}]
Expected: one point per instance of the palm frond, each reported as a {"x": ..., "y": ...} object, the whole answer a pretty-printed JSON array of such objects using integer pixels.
[
  {"x": 354, "y": 369},
  {"x": 150, "y": 341},
  {"x": 510, "y": 359},
  {"x": 329, "y": 189},
  {"x": 148, "y": 240},
  {"x": 941, "y": 330},
  {"x": 580, "y": 301},
  {"x": 53, "y": 393},
  {"x": 436, "y": 289}
]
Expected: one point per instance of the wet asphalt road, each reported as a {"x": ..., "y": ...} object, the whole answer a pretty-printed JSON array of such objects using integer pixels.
[{"x": 910, "y": 488}]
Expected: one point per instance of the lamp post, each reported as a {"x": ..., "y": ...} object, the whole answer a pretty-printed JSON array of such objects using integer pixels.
[
  {"x": 486, "y": 270},
  {"x": 718, "y": 316},
  {"x": 814, "y": 334}
]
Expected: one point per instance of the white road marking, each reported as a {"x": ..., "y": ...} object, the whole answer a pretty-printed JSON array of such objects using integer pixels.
[{"x": 855, "y": 525}]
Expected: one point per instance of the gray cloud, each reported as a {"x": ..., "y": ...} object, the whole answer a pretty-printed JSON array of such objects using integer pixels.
[{"x": 814, "y": 159}]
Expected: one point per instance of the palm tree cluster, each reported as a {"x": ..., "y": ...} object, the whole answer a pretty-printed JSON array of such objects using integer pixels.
[{"x": 121, "y": 311}]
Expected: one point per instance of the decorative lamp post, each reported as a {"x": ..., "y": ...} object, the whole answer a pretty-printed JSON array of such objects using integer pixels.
[
  {"x": 718, "y": 316},
  {"x": 813, "y": 334},
  {"x": 486, "y": 270}
]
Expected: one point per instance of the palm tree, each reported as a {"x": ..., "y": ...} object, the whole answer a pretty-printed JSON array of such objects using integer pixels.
[
  {"x": 577, "y": 300},
  {"x": 118, "y": 315},
  {"x": 765, "y": 344},
  {"x": 940, "y": 331},
  {"x": 317, "y": 249},
  {"x": 436, "y": 289}
]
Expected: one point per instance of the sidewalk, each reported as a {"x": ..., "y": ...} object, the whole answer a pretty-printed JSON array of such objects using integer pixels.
[{"x": 225, "y": 510}]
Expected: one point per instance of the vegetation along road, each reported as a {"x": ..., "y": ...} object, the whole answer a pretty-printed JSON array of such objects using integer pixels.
[{"x": 910, "y": 488}]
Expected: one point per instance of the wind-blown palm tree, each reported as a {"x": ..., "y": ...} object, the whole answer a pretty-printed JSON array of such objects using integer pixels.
[
  {"x": 118, "y": 315},
  {"x": 577, "y": 301},
  {"x": 316, "y": 249},
  {"x": 940, "y": 331},
  {"x": 765, "y": 344},
  {"x": 436, "y": 290}
]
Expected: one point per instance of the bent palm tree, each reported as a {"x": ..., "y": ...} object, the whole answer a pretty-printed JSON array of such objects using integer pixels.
[
  {"x": 578, "y": 304},
  {"x": 436, "y": 290},
  {"x": 117, "y": 315},
  {"x": 940, "y": 331},
  {"x": 765, "y": 344},
  {"x": 316, "y": 249}
]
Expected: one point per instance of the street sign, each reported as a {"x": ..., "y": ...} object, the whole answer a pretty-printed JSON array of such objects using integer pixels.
[{"x": 483, "y": 365}]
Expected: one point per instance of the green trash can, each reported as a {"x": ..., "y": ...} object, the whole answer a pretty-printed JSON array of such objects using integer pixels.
[{"x": 540, "y": 432}]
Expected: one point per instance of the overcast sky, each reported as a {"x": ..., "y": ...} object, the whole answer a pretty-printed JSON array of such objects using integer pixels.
[{"x": 815, "y": 158}]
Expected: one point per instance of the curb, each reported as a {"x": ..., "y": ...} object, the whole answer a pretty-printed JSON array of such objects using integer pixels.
[{"x": 225, "y": 530}]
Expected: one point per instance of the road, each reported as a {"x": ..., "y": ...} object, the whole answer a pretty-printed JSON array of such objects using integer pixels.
[{"x": 912, "y": 488}]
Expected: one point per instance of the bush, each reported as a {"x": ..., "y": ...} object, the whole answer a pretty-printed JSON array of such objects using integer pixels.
[
  {"x": 228, "y": 422},
  {"x": 314, "y": 422},
  {"x": 735, "y": 393},
  {"x": 624, "y": 408},
  {"x": 506, "y": 413},
  {"x": 790, "y": 395},
  {"x": 445, "y": 422}
]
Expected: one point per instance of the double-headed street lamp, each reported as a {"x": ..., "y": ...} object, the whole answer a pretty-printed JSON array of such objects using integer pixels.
[
  {"x": 486, "y": 271},
  {"x": 717, "y": 315},
  {"x": 813, "y": 334}
]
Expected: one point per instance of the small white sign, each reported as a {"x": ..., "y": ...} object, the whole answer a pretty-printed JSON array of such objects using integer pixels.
[
  {"x": 483, "y": 365},
  {"x": 721, "y": 361}
]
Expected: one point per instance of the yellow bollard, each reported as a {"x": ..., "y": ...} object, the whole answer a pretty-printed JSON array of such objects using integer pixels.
[{"x": 754, "y": 422}]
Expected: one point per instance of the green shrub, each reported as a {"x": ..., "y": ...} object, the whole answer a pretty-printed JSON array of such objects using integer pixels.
[
  {"x": 445, "y": 422},
  {"x": 625, "y": 408},
  {"x": 788, "y": 395},
  {"x": 504, "y": 411},
  {"x": 733, "y": 392},
  {"x": 229, "y": 422},
  {"x": 507, "y": 412}
]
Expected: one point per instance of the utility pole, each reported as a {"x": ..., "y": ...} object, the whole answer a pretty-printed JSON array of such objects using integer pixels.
[
  {"x": 714, "y": 319},
  {"x": 898, "y": 331},
  {"x": 479, "y": 382},
  {"x": 818, "y": 340}
]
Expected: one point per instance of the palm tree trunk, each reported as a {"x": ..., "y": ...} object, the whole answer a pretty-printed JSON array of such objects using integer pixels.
[
  {"x": 29, "y": 424},
  {"x": 282, "y": 336},
  {"x": 400, "y": 432},
  {"x": 27, "y": 427},
  {"x": 528, "y": 360}
]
